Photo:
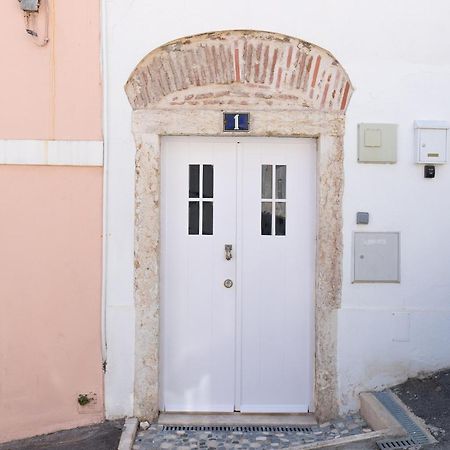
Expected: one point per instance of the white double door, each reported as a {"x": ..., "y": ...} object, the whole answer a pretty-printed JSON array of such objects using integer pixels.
[{"x": 237, "y": 281}]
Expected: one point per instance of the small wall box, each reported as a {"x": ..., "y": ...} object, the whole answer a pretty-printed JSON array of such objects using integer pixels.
[
  {"x": 376, "y": 257},
  {"x": 432, "y": 141},
  {"x": 377, "y": 143}
]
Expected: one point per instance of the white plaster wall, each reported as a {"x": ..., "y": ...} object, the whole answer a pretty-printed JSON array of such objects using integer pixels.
[{"x": 397, "y": 55}]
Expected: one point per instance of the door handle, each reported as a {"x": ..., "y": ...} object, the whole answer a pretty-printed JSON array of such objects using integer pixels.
[{"x": 228, "y": 249}]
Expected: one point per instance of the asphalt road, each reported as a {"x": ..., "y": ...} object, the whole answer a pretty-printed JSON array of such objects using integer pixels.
[
  {"x": 104, "y": 436},
  {"x": 429, "y": 399}
]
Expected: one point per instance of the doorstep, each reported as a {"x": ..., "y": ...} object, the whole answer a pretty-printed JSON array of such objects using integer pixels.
[{"x": 235, "y": 419}]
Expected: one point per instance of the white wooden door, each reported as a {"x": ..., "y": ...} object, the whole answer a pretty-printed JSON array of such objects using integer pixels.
[
  {"x": 198, "y": 311},
  {"x": 247, "y": 347},
  {"x": 276, "y": 228}
]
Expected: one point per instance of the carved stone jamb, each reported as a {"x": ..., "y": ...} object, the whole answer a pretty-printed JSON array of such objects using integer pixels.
[{"x": 146, "y": 275}]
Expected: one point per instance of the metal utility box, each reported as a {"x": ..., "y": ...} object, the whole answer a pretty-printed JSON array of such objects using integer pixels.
[
  {"x": 30, "y": 5},
  {"x": 432, "y": 141},
  {"x": 376, "y": 257},
  {"x": 362, "y": 218},
  {"x": 377, "y": 143}
]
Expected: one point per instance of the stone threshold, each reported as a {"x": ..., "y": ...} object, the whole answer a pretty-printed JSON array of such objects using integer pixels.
[{"x": 235, "y": 419}]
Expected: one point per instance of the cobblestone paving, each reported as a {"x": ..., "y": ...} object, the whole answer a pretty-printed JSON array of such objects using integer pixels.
[{"x": 158, "y": 438}]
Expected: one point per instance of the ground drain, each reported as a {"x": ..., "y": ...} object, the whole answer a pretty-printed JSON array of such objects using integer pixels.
[
  {"x": 242, "y": 429},
  {"x": 413, "y": 430},
  {"x": 396, "y": 443}
]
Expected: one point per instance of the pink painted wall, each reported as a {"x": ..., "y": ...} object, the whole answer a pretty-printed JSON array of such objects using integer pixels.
[
  {"x": 51, "y": 225},
  {"x": 53, "y": 92},
  {"x": 50, "y": 291}
]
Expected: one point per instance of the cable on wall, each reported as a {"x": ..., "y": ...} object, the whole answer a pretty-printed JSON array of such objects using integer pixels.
[{"x": 30, "y": 15}]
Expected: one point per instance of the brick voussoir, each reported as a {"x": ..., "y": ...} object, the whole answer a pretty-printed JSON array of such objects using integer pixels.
[{"x": 290, "y": 71}]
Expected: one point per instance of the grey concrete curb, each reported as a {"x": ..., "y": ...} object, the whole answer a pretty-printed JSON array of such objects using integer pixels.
[
  {"x": 128, "y": 434},
  {"x": 378, "y": 417}
]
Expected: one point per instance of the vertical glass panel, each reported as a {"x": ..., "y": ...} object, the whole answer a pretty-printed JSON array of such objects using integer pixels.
[
  {"x": 280, "y": 181},
  {"x": 208, "y": 181},
  {"x": 280, "y": 218},
  {"x": 266, "y": 181},
  {"x": 207, "y": 221},
  {"x": 194, "y": 181},
  {"x": 194, "y": 217},
  {"x": 266, "y": 218}
]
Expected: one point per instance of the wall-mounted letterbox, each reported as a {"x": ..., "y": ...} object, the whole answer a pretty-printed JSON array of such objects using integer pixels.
[{"x": 432, "y": 141}]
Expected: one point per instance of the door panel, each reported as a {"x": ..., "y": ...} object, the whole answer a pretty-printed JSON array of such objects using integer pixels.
[
  {"x": 247, "y": 347},
  {"x": 198, "y": 312},
  {"x": 277, "y": 272}
]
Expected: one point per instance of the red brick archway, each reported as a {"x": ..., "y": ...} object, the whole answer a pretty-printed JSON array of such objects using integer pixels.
[{"x": 212, "y": 69}]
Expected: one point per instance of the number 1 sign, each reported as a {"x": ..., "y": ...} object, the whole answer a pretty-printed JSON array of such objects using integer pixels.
[{"x": 236, "y": 121}]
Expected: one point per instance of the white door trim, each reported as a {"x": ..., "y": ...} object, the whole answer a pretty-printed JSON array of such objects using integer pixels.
[{"x": 238, "y": 350}]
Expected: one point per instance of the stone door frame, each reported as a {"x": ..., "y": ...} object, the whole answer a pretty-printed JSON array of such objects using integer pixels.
[{"x": 283, "y": 114}]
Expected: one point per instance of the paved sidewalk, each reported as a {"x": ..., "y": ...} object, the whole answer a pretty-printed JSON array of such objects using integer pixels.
[{"x": 157, "y": 437}]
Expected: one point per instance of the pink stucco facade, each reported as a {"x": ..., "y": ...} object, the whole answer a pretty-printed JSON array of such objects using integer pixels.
[
  {"x": 52, "y": 92},
  {"x": 50, "y": 297},
  {"x": 51, "y": 227}
]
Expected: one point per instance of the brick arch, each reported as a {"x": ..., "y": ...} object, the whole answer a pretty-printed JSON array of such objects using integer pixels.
[{"x": 226, "y": 68}]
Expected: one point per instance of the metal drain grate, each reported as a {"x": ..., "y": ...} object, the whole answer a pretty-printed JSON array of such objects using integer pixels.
[
  {"x": 241, "y": 428},
  {"x": 413, "y": 430},
  {"x": 396, "y": 443}
]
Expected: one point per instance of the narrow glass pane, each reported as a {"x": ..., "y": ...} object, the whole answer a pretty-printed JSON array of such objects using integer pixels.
[
  {"x": 207, "y": 221},
  {"x": 194, "y": 181},
  {"x": 281, "y": 181},
  {"x": 208, "y": 181},
  {"x": 266, "y": 181},
  {"x": 266, "y": 218},
  {"x": 280, "y": 219},
  {"x": 194, "y": 217}
]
